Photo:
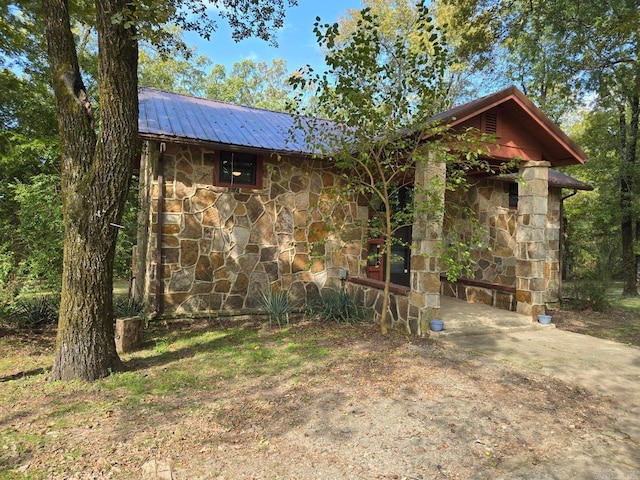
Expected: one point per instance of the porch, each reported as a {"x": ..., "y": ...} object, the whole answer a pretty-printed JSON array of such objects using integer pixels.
[{"x": 463, "y": 318}]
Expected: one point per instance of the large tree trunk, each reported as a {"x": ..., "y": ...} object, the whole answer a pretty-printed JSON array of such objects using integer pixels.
[
  {"x": 628, "y": 150},
  {"x": 95, "y": 179}
]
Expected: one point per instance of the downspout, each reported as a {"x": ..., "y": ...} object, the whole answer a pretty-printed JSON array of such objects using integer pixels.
[
  {"x": 158, "y": 306},
  {"x": 561, "y": 243}
]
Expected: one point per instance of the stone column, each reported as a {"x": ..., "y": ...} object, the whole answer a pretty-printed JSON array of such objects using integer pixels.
[
  {"x": 424, "y": 298},
  {"x": 552, "y": 269},
  {"x": 531, "y": 251}
]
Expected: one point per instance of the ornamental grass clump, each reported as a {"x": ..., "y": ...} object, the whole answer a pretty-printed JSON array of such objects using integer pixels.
[
  {"x": 335, "y": 306},
  {"x": 37, "y": 312},
  {"x": 278, "y": 306}
]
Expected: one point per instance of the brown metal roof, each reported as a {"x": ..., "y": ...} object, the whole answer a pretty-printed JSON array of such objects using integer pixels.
[
  {"x": 177, "y": 117},
  {"x": 171, "y": 116}
]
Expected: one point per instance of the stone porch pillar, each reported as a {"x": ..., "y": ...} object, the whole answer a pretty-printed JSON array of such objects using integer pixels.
[
  {"x": 424, "y": 297},
  {"x": 531, "y": 252}
]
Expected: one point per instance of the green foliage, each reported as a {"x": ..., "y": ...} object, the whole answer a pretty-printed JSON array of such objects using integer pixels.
[
  {"x": 251, "y": 83},
  {"x": 39, "y": 236},
  {"x": 29, "y": 185},
  {"x": 35, "y": 312},
  {"x": 277, "y": 305},
  {"x": 382, "y": 91},
  {"x": 9, "y": 287},
  {"x": 124, "y": 307},
  {"x": 591, "y": 237},
  {"x": 335, "y": 306},
  {"x": 588, "y": 293}
]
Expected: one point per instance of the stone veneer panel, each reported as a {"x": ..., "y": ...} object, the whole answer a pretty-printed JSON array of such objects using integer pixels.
[
  {"x": 552, "y": 269},
  {"x": 531, "y": 236},
  {"x": 489, "y": 200},
  {"x": 223, "y": 247}
]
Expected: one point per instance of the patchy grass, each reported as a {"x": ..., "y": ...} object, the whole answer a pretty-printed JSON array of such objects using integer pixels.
[
  {"x": 619, "y": 322},
  {"x": 183, "y": 370}
]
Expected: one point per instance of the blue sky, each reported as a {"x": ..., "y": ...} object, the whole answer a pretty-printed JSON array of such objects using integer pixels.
[{"x": 296, "y": 41}]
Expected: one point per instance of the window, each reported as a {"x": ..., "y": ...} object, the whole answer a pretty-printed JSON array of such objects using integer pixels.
[
  {"x": 513, "y": 195},
  {"x": 401, "y": 200},
  {"x": 238, "y": 169}
]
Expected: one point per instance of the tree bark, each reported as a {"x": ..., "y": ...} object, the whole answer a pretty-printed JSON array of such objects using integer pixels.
[
  {"x": 96, "y": 169},
  {"x": 628, "y": 151}
]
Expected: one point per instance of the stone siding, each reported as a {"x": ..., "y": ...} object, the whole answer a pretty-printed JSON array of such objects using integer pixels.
[
  {"x": 552, "y": 268},
  {"x": 222, "y": 247},
  {"x": 402, "y": 315},
  {"x": 496, "y": 262},
  {"x": 531, "y": 253},
  {"x": 496, "y": 259}
]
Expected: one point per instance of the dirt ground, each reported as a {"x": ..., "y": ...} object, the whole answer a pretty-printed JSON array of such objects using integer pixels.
[
  {"x": 373, "y": 408},
  {"x": 617, "y": 324}
]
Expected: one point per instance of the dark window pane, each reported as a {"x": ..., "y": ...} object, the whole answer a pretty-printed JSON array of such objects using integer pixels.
[
  {"x": 238, "y": 168},
  {"x": 513, "y": 195}
]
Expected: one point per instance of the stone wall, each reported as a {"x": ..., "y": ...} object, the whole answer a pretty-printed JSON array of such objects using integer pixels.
[
  {"x": 495, "y": 263},
  {"x": 496, "y": 259},
  {"x": 222, "y": 247},
  {"x": 552, "y": 268},
  {"x": 402, "y": 315},
  {"x": 494, "y": 256},
  {"x": 531, "y": 237}
]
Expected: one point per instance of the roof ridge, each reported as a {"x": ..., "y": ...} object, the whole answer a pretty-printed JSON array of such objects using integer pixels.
[{"x": 222, "y": 102}]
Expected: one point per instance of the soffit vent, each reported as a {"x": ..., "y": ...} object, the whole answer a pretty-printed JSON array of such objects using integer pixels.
[{"x": 490, "y": 123}]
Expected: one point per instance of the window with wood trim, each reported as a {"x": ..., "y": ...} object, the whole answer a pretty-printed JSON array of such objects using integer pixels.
[{"x": 237, "y": 169}]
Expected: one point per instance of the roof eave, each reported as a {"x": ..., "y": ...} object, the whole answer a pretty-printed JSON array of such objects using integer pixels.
[
  {"x": 461, "y": 114},
  {"x": 221, "y": 146}
]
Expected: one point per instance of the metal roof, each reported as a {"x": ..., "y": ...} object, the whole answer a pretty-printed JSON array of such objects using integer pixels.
[
  {"x": 168, "y": 116},
  {"x": 171, "y": 116}
]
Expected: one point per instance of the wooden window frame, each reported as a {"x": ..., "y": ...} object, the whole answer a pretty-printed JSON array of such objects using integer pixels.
[{"x": 258, "y": 171}]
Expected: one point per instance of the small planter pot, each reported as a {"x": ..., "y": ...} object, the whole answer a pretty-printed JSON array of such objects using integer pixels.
[
  {"x": 544, "y": 319},
  {"x": 436, "y": 325}
]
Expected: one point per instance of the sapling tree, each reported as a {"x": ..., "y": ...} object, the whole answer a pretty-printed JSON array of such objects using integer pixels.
[{"x": 380, "y": 95}]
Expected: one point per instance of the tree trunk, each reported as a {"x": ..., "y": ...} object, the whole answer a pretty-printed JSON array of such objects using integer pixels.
[
  {"x": 95, "y": 179},
  {"x": 628, "y": 150}
]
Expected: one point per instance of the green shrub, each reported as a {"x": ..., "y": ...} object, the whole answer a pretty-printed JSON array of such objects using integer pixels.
[
  {"x": 277, "y": 305},
  {"x": 588, "y": 293},
  {"x": 37, "y": 312},
  {"x": 335, "y": 306},
  {"x": 124, "y": 307}
]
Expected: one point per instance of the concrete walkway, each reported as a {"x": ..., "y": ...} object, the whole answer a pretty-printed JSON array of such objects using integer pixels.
[
  {"x": 601, "y": 366},
  {"x": 463, "y": 318}
]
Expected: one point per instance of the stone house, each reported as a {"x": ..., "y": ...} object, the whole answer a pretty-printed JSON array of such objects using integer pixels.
[{"x": 233, "y": 204}]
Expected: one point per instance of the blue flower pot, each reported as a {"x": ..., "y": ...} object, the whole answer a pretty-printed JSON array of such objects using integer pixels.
[
  {"x": 544, "y": 319},
  {"x": 436, "y": 325}
]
